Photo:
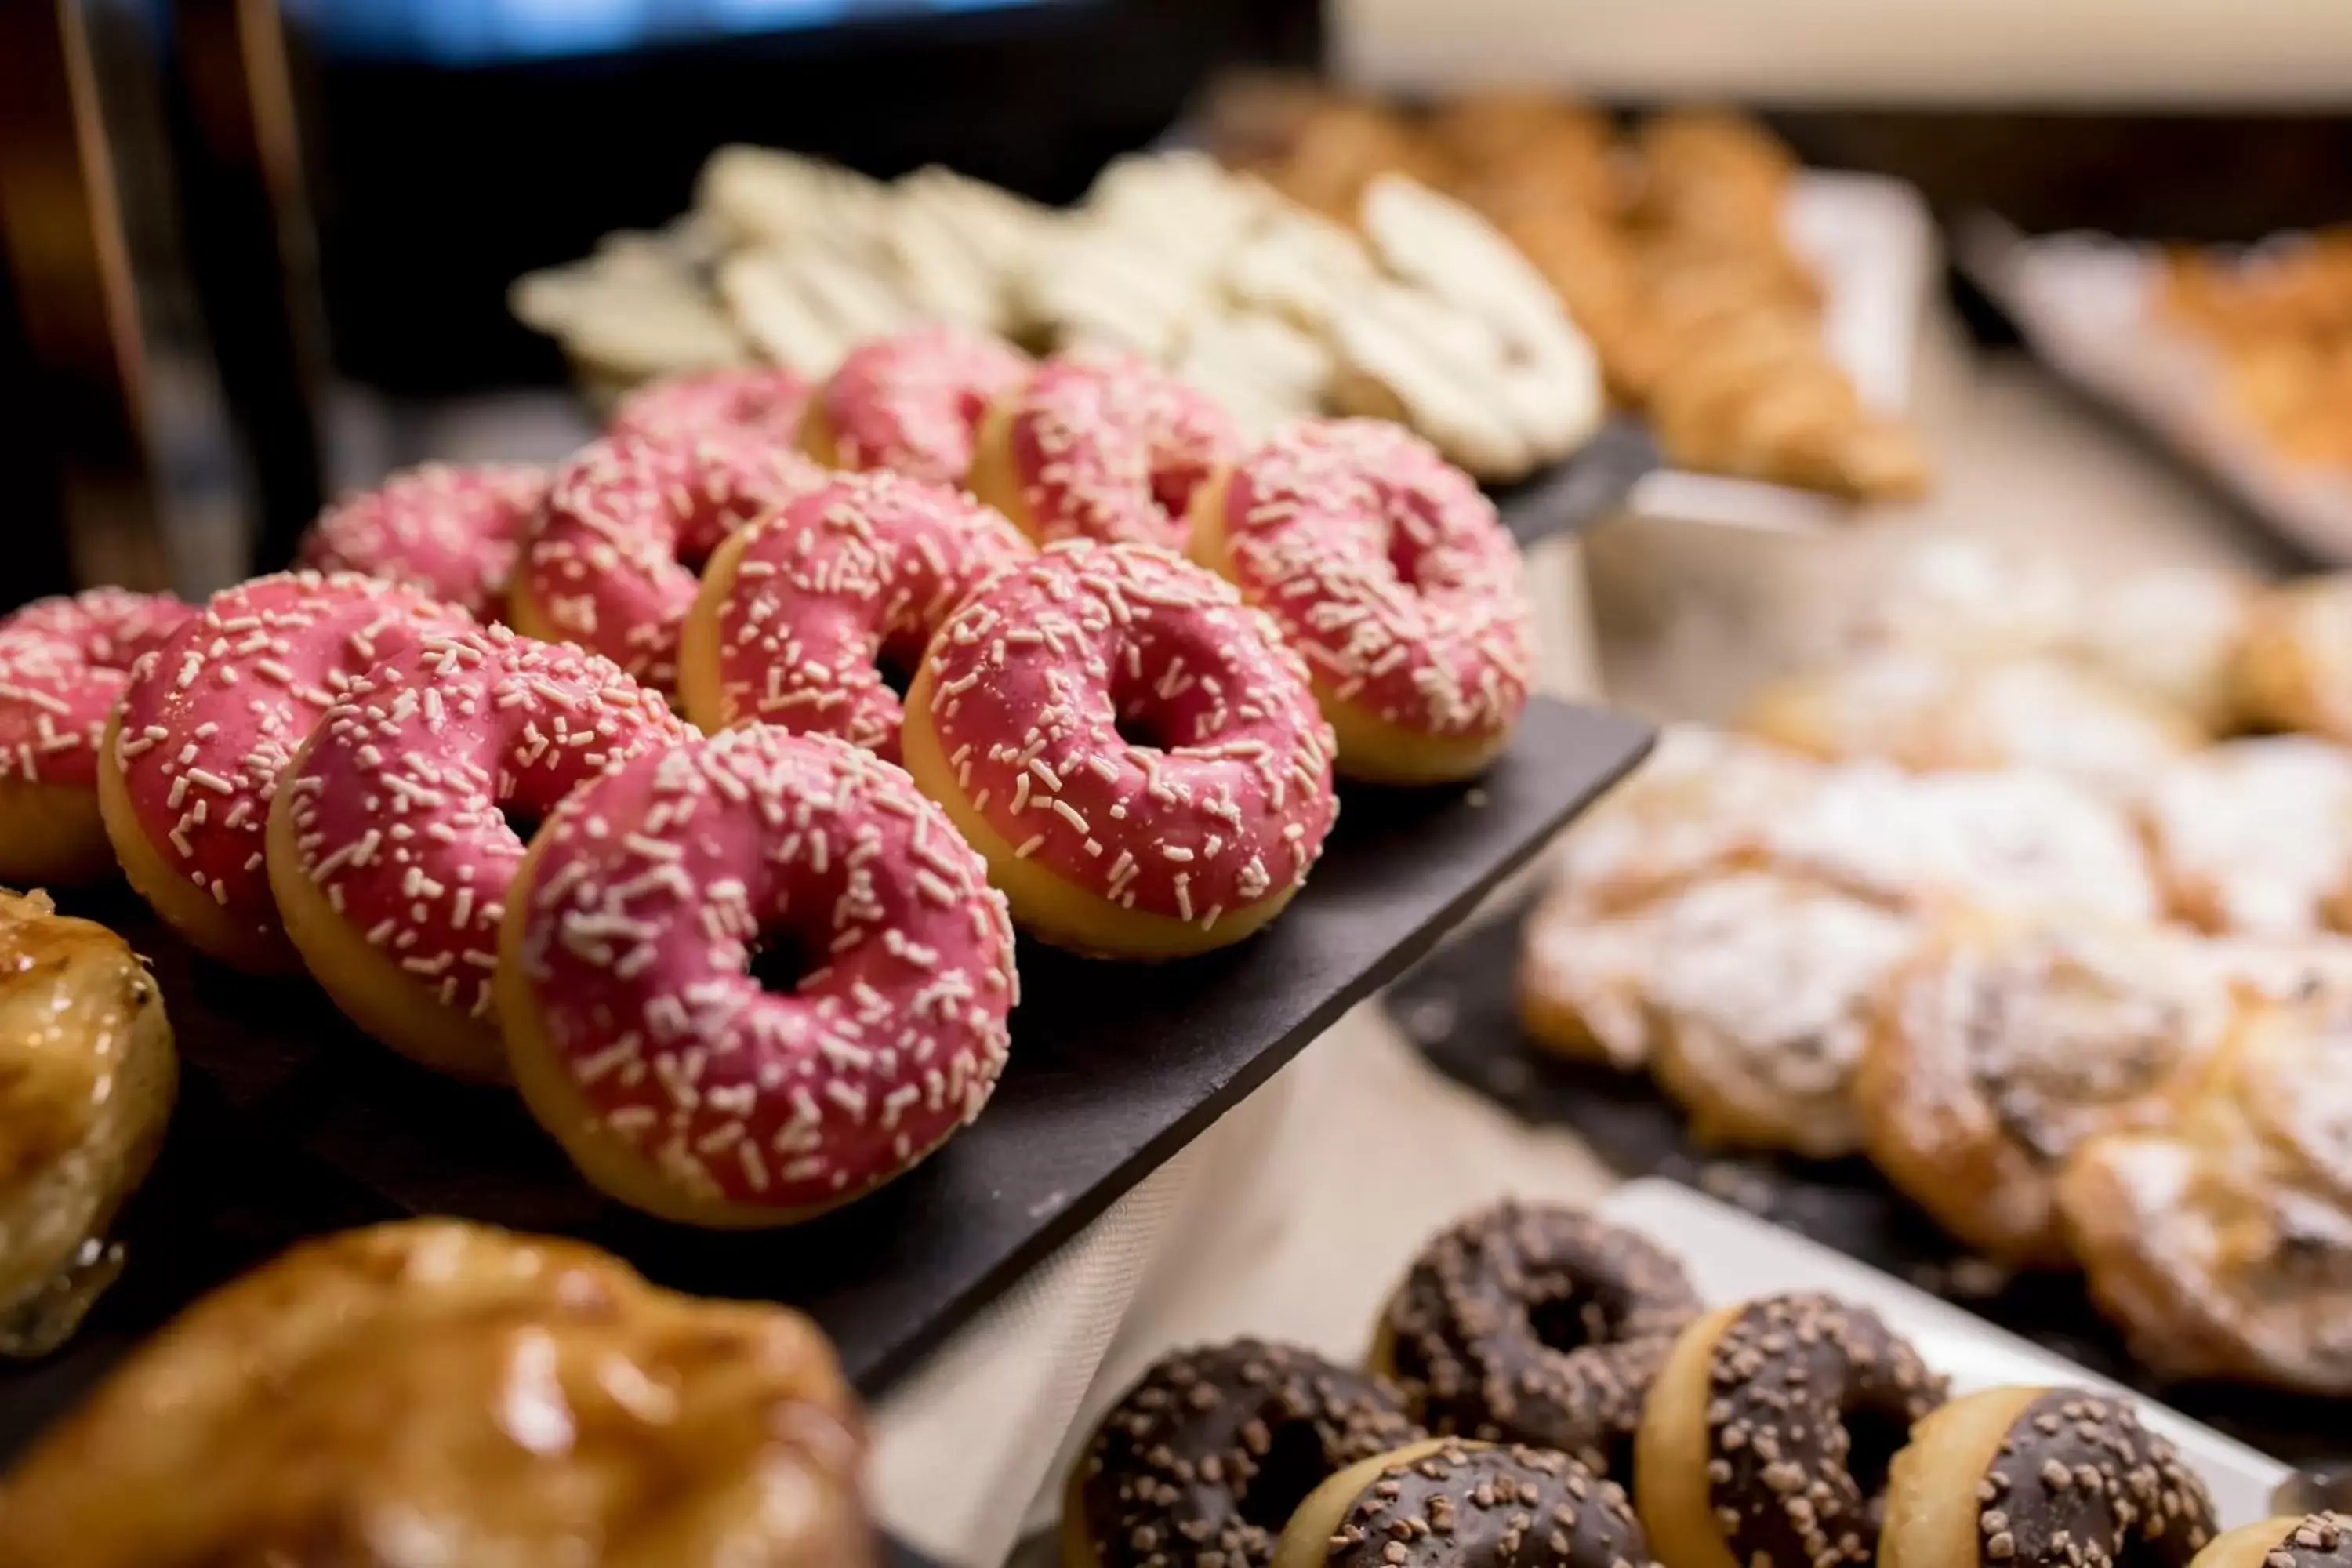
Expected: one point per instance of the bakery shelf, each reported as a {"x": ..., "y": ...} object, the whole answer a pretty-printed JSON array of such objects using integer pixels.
[{"x": 293, "y": 1124}]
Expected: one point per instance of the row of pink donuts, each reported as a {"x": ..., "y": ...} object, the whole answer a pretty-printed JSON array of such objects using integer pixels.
[{"x": 1116, "y": 741}]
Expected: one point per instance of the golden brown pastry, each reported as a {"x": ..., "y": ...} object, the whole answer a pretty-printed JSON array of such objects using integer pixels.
[
  {"x": 2221, "y": 1243},
  {"x": 2041, "y": 1477},
  {"x": 2294, "y": 664},
  {"x": 86, "y": 1078},
  {"x": 2308, "y": 1540},
  {"x": 1748, "y": 993},
  {"x": 2009, "y": 1041},
  {"x": 1710, "y": 171},
  {"x": 432, "y": 1393},
  {"x": 1932, "y": 714},
  {"x": 2254, "y": 836}
]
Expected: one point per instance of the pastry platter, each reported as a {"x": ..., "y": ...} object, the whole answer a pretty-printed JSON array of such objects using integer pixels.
[
  {"x": 1459, "y": 1008},
  {"x": 291, "y": 1123}
]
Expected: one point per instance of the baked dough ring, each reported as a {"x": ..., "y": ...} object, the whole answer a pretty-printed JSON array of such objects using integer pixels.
[
  {"x": 2313, "y": 1541},
  {"x": 2041, "y": 1477},
  {"x": 1450, "y": 1504},
  {"x": 432, "y": 1393}
]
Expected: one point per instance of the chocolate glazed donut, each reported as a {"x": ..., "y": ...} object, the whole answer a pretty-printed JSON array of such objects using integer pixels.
[
  {"x": 2314, "y": 1541},
  {"x": 1767, "y": 1436},
  {"x": 1206, "y": 1459},
  {"x": 1451, "y": 1504},
  {"x": 1538, "y": 1325},
  {"x": 2036, "y": 1478}
]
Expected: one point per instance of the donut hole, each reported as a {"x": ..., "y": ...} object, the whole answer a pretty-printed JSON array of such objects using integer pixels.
[
  {"x": 522, "y": 818},
  {"x": 1146, "y": 724},
  {"x": 1570, "y": 1321},
  {"x": 897, "y": 661},
  {"x": 1873, "y": 1437},
  {"x": 1407, "y": 553},
  {"x": 1294, "y": 1466},
  {"x": 778, "y": 960}
]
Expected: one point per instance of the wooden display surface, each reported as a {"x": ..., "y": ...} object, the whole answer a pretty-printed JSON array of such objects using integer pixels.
[{"x": 291, "y": 1123}]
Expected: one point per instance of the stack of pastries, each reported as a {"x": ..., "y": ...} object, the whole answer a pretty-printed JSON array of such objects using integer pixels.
[
  {"x": 1666, "y": 245},
  {"x": 1990, "y": 903},
  {"x": 963, "y": 641},
  {"x": 1546, "y": 1390}
]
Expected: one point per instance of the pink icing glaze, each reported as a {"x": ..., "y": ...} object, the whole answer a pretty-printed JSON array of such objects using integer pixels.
[
  {"x": 212, "y": 717},
  {"x": 1108, "y": 446},
  {"x": 1389, "y": 571},
  {"x": 1223, "y": 797},
  {"x": 652, "y": 884},
  {"x": 912, "y": 400},
  {"x": 400, "y": 805},
  {"x": 63, "y": 663},
  {"x": 627, "y": 521},
  {"x": 761, "y": 399},
  {"x": 442, "y": 528},
  {"x": 840, "y": 582}
]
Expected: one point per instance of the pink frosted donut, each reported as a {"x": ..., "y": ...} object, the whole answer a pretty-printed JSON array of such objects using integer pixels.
[
  {"x": 1390, "y": 573},
  {"x": 1100, "y": 446},
  {"x": 611, "y": 562},
  {"x": 442, "y": 528},
  {"x": 1132, "y": 748},
  {"x": 63, "y": 663},
  {"x": 680, "y": 1081},
  {"x": 399, "y": 825},
  {"x": 760, "y": 399},
  {"x": 802, "y": 613},
  {"x": 209, "y": 722},
  {"x": 911, "y": 402}
]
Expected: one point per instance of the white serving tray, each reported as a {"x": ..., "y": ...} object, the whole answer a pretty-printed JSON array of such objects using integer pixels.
[{"x": 1733, "y": 1255}]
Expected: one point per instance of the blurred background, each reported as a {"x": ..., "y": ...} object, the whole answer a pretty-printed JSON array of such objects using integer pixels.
[{"x": 259, "y": 253}]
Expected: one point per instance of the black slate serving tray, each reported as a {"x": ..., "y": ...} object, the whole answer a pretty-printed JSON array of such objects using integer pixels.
[
  {"x": 292, "y": 1124},
  {"x": 1459, "y": 1008},
  {"x": 1578, "y": 492}
]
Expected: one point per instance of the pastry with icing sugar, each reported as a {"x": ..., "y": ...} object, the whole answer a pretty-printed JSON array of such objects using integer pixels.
[
  {"x": 1930, "y": 713},
  {"x": 1759, "y": 990},
  {"x": 804, "y": 617},
  {"x": 212, "y": 718},
  {"x": 1388, "y": 570},
  {"x": 1134, "y": 750},
  {"x": 2222, "y": 1241},
  {"x": 2294, "y": 663},
  {"x": 64, "y": 662},
  {"x": 2254, "y": 836},
  {"x": 2008, "y": 1042},
  {"x": 747, "y": 979},
  {"x": 394, "y": 833}
]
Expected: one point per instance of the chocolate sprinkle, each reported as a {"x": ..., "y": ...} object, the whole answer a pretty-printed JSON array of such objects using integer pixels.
[
  {"x": 2079, "y": 1482},
  {"x": 1792, "y": 1379},
  {"x": 1205, "y": 1458},
  {"x": 2317, "y": 1540},
  {"x": 1468, "y": 1330},
  {"x": 1489, "y": 1508}
]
